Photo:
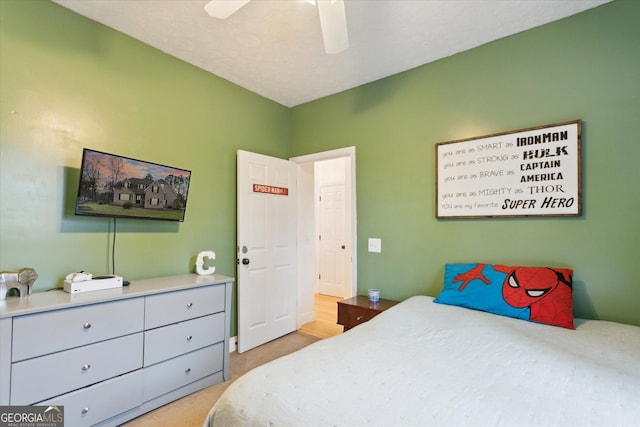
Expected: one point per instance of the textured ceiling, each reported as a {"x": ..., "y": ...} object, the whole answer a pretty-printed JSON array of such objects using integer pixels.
[{"x": 274, "y": 47}]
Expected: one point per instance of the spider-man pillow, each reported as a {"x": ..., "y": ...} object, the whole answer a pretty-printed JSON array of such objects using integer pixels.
[{"x": 538, "y": 294}]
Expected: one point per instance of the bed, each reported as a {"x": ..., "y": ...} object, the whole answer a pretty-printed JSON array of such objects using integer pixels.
[{"x": 425, "y": 364}]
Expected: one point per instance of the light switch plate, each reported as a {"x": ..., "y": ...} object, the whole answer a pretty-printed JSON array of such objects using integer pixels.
[{"x": 375, "y": 244}]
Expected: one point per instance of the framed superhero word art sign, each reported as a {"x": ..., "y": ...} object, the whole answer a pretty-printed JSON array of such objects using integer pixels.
[{"x": 528, "y": 172}]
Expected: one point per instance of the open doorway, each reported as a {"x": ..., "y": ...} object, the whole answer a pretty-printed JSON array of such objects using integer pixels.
[
  {"x": 327, "y": 267},
  {"x": 324, "y": 325}
]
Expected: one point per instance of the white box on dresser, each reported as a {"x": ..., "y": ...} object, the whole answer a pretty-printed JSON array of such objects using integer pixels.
[{"x": 109, "y": 356}]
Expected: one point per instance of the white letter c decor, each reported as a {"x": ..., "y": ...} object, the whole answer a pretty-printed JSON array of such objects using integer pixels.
[{"x": 200, "y": 263}]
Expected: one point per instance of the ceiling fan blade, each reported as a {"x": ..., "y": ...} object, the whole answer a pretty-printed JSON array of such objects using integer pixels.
[
  {"x": 222, "y": 9},
  {"x": 333, "y": 22}
]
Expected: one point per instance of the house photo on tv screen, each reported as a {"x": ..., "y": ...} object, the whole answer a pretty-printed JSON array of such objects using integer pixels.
[{"x": 122, "y": 187}]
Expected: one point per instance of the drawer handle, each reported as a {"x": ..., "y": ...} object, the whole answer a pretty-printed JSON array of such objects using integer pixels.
[
  {"x": 189, "y": 304},
  {"x": 359, "y": 318},
  {"x": 84, "y": 410},
  {"x": 86, "y": 367},
  {"x": 189, "y": 337},
  {"x": 187, "y": 370},
  {"x": 87, "y": 325}
]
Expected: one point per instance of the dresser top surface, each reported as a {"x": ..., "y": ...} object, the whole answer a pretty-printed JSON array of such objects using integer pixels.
[
  {"x": 59, "y": 299},
  {"x": 363, "y": 302}
]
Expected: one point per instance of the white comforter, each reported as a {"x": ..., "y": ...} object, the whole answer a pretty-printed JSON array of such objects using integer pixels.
[{"x": 426, "y": 364}]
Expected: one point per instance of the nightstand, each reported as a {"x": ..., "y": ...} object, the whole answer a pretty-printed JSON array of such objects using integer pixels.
[{"x": 356, "y": 310}]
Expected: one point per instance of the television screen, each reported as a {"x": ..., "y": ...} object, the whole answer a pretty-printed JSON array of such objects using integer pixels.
[{"x": 121, "y": 187}]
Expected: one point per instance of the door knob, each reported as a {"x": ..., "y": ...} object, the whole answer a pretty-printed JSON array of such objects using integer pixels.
[
  {"x": 245, "y": 261},
  {"x": 344, "y": 247}
]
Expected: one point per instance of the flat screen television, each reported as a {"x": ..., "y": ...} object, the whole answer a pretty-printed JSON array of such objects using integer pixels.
[{"x": 121, "y": 187}]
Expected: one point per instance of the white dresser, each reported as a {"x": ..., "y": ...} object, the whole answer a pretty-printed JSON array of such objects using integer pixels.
[{"x": 109, "y": 356}]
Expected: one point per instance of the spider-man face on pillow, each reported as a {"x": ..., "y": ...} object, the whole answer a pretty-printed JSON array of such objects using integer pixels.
[{"x": 538, "y": 294}]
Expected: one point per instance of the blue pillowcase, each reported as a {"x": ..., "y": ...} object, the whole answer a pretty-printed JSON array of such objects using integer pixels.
[{"x": 538, "y": 294}]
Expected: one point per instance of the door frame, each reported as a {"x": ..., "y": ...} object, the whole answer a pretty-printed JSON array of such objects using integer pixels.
[{"x": 307, "y": 271}]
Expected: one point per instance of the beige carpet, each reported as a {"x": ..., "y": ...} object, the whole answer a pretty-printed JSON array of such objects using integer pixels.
[{"x": 192, "y": 410}]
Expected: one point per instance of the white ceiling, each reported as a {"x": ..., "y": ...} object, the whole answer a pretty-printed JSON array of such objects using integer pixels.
[{"x": 274, "y": 47}]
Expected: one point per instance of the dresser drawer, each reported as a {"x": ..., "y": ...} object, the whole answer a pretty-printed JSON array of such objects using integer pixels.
[
  {"x": 179, "y": 338},
  {"x": 52, "y": 331},
  {"x": 91, "y": 405},
  {"x": 354, "y": 315},
  {"x": 178, "y": 306},
  {"x": 356, "y": 310},
  {"x": 175, "y": 373},
  {"x": 43, "y": 377}
]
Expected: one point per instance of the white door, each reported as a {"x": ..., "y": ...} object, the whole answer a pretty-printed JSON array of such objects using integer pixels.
[
  {"x": 334, "y": 260},
  {"x": 266, "y": 216}
]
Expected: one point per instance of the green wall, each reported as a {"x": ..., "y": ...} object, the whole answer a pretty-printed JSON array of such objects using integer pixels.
[
  {"x": 68, "y": 83},
  {"x": 584, "y": 67}
]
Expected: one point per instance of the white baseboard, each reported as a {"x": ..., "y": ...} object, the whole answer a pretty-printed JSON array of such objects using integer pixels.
[
  {"x": 306, "y": 317},
  {"x": 233, "y": 344}
]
